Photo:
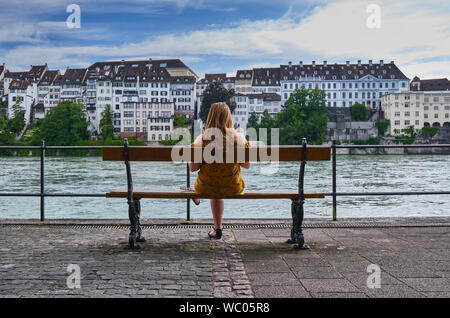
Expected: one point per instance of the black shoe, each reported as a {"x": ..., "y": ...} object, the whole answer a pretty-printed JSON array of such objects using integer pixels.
[{"x": 217, "y": 236}]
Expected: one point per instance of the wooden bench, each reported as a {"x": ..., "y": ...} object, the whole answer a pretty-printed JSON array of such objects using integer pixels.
[{"x": 302, "y": 154}]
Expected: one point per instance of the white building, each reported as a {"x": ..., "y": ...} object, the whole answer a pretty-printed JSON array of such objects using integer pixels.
[
  {"x": 150, "y": 120},
  {"x": 47, "y": 93},
  {"x": 345, "y": 84},
  {"x": 22, "y": 88},
  {"x": 182, "y": 92},
  {"x": 417, "y": 109},
  {"x": 266, "y": 80},
  {"x": 260, "y": 102},
  {"x": 240, "y": 114},
  {"x": 23, "y": 93},
  {"x": 123, "y": 82},
  {"x": 72, "y": 87}
]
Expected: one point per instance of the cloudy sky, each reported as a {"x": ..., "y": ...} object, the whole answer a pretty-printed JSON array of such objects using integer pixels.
[{"x": 225, "y": 35}]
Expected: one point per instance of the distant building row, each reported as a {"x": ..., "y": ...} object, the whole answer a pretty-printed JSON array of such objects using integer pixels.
[
  {"x": 344, "y": 84},
  {"x": 145, "y": 95},
  {"x": 164, "y": 88}
]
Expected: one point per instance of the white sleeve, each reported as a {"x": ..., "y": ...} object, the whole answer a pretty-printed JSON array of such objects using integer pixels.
[
  {"x": 198, "y": 140},
  {"x": 240, "y": 139}
]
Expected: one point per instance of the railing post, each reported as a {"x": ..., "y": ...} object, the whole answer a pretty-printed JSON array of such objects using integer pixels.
[
  {"x": 333, "y": 148},
  {"x": 42, "y": 180},
  {"x": 188, "y": 201}
]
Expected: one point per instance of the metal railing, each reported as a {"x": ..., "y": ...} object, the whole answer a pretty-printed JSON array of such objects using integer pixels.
[{"x": 334, "y": 194}]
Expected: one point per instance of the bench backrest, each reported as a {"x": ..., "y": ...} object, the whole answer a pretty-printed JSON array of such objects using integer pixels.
[{"x": 253, "y": 154}]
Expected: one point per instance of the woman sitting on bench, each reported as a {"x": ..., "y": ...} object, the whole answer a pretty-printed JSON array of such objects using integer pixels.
[{"x": 219, "y": 179}]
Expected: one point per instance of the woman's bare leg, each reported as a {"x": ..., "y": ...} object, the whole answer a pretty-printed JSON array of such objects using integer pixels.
[{"x": 217, "y": 206}]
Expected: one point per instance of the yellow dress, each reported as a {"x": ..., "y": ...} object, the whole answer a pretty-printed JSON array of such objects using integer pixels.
[{"x": 220, "y": 179}]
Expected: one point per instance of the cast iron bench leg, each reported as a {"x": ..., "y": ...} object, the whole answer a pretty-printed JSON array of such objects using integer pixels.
[
  {"x": 134, "y": 211},
  {"x": 139, "y": 237},
  {"x": 297, "y": 237}
]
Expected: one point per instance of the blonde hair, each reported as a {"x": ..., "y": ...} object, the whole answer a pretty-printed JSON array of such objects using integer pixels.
[{"x": 219, "y": 116}]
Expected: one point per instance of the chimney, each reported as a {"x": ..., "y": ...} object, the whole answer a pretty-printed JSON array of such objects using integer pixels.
[
  {"x": 392, "y": 62},
  {"x": 347, "y": 63},
  {"x": 359, "y": 63},
  {"x": 313, "y": 63},
  {"x": 301, "y": 63},
  {"x": 370, "y": 62},
  {"x": 381, "y": 63},
  {"x": 290, "y": 63},
  {"x": 325, "y": 63}
]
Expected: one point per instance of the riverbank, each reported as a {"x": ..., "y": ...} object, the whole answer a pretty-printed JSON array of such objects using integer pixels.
[{"x": 179, "y": 261}]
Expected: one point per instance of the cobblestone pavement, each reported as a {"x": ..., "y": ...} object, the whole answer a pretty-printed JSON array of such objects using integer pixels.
[{"x": 247, "y": 262}]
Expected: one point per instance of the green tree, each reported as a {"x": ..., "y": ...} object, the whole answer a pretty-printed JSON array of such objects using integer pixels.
[
  {"x": 410, "y": 132},
  {"x": 64, "y": 125},
  {"x": 253, "y": 120},
  {"x": 382, "y": 126},
  {"x": 17, "y": 121},
  {"x": 214, "y": 93},
  {"x": 428, "y": 131},
  {"x": 3, "y": 107},
  {"x": 359, "y": 112},
  {"x": 304, "y": 116},
  {"x": 106, "y": 123},
  {"x": 180, "y": 121},
  {"x": 6, "y": 137},
  {"x": 267, "y": 122}
]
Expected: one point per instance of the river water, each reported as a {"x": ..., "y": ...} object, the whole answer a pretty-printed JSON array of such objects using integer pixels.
[{"x": 354, "y": 174}]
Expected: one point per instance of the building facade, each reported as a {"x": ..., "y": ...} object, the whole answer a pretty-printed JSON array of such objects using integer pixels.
[
  {"x": 417, "y": 109},
  {"x": 151, "y": 121},
  {"x": 345, "y": 84},
  {"x": 243, "y": 81}
]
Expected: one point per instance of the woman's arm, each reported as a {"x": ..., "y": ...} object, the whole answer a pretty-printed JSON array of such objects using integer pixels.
[
  {"x": 245, "y": 165},
  {"x": 194, "y": 166}
]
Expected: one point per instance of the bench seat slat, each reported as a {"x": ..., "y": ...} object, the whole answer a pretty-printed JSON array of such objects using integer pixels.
[{"x": 182, "y": 194}]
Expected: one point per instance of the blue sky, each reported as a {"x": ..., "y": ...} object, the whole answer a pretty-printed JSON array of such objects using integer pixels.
[{"x": 223, "y": 36}]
